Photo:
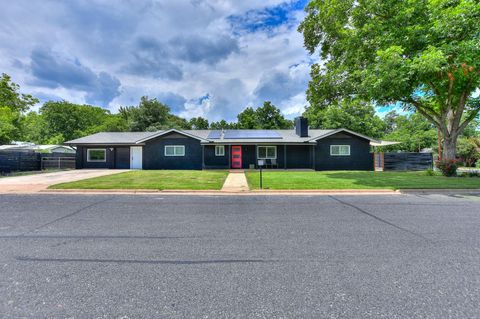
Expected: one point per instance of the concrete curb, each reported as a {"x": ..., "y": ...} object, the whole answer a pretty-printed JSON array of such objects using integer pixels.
[
  {"x": 268, "y": 192},
  {"x": 221, "y": 192}
]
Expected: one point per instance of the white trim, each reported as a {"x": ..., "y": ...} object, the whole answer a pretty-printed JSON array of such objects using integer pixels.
[
  {"x": 266, "y": 152},
  {"x": 220, "y": 147},
  {"x": 339, "y": 147},
  {"x": 174, "y": 150},
  {"x": 96, "y": 149},
  {"x": 342, "y": 130},
  {"x": 169, "y": 131}
]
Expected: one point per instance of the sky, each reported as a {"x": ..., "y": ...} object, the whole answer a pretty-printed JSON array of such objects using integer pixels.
[{"x": 209, "y": 58}]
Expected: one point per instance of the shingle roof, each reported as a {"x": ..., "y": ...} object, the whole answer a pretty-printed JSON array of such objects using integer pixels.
[
  {"x": 130, "y": 138},
  {"x": 111, "y": 138}
]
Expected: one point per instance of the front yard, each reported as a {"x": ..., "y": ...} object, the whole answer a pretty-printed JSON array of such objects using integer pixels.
[
  {"x": 357, "y": 180},
  {"x": 161, "y": 180}
]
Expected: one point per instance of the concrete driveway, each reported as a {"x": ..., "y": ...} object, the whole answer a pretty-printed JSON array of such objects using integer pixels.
[{"x": 38, "y": 182}]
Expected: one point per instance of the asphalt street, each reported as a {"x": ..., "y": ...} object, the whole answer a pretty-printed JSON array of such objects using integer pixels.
[{"x": 122, "y": 256}]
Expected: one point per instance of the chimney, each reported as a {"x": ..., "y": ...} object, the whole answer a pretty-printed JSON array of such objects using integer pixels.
[{"x": 301, "y": 126}]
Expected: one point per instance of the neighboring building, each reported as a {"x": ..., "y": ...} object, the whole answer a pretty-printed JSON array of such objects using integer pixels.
[
  {"x": 39, "y": 148},
  {"x": 339, "y": 149}
]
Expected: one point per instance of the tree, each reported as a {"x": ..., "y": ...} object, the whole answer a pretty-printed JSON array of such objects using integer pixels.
[
  {"x": 199, "y": 123},
  {"x": 13, "y": 105},
  {"x": 65, "y": 121},
  {"x": 423, "y": 55},
  {"x": 413, "y": 132},
  {"x": 222, "y": 125},
  {"x": 269, "y": 117},
  {"x": 151, "y": 115},
  {"x": 9, "y": 96},
  {"x": 355, "y": 115},
  {"x": 468, "y": 150},
  {"x": 8, "y": 128},
  {"x": 247, "y": 119},
  {"x": 265, "y": 117}
]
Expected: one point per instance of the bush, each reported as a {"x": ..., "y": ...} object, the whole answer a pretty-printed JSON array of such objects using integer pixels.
[
  {"x": 448, "y": 168},
  {"x": 430, "y": 172},
  {"x": 477, "y": 165}
]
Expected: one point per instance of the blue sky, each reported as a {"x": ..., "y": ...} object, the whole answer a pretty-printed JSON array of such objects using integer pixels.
[{"x": 208, "y": 58}]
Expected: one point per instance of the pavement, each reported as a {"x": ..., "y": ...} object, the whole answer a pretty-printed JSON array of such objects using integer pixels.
[
  {"x": 235, "y": 182},
  {"x": 337, "y": 256},
  {"x": 39, "y": 182}
]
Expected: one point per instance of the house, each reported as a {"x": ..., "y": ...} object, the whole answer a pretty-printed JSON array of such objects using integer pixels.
[
  {"x": 38, "y": 148},
  {"x": 338, "y": 149}
]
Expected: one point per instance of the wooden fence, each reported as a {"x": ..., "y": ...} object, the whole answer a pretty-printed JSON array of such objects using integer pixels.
[
  {"x": 27, "y": 160},
  {"x": 404, "y": 161}
]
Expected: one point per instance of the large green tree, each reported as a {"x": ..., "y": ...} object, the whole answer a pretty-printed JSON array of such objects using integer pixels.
[
  {"x": 422, "y": 54},
  {"x": 267, "y": 116},
  {"x": 151, "y": 115},
  {"x": 199, "y": 123},
  {"x": 13, "y": 106},
  {"x": 65, "y": 121},
  {"x": 413, "y": 131},
  {"x": 355, "y": 115}
]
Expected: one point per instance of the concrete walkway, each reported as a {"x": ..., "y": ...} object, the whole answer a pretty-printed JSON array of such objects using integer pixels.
[
  {"x": 236, "y": 182},
  {"x": 39, "y": 182}
]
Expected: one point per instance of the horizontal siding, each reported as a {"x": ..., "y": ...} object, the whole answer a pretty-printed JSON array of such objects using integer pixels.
[
  {"x": 360, "y": 157},
  {"x": 154, "y": 150}
]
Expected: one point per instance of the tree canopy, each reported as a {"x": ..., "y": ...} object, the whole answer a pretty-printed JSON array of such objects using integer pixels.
[
  {"x": 355, "y": 115},
  {"x": 423, "y": 55},
  {"x": 267, "y": 116}
]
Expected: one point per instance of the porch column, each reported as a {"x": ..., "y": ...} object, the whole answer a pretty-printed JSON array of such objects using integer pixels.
[
  {"x": 285, "y": 156},
  {"x": 312, "y": 149},
  {"x": 203, "y": 156},
  {"x": 229, "y": 156}
]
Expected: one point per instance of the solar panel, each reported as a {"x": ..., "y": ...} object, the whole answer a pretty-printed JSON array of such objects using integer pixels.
[
  {"x": 253, "y": 134},
  {"x": 214, "y": 135}
]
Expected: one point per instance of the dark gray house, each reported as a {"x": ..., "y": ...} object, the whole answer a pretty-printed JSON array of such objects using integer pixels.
[{"x": 339, "y": 149}]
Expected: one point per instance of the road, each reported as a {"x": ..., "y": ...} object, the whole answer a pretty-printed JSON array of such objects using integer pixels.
[{"x": 122, "y": 256}]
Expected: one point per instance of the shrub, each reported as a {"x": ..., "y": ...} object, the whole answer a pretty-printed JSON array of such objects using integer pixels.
[
  {"x": 448, "y": 168},
  {"x": 430, "y": 172},
  {"x": 477, "y": 165}
]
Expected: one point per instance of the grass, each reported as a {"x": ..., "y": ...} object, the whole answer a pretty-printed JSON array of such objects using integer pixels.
[
  {"x": 357, "y": 180},
  {"x": 161, "y": 180}
]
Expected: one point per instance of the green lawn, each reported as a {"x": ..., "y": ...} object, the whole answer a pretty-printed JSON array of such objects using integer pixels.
[
  {"x": 356, "y": 180},
  {"x": 164, "y": 179}
]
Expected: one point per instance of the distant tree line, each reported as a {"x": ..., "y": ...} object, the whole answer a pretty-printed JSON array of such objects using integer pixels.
[{"x": 60, "y": 121}]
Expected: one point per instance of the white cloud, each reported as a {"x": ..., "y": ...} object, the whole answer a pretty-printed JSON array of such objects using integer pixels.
[{"x": 177, "y": 51}]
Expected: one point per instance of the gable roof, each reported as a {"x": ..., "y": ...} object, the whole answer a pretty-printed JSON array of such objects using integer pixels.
[
  {"x": 133, "y": 138},
  {"x": 332, "y": 132},
  {"x": 161, "y": 133},
  {"x": 127, "y": 138}
]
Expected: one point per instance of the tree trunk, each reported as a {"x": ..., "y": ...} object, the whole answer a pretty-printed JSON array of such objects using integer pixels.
[{"x": 449, "y": 148}]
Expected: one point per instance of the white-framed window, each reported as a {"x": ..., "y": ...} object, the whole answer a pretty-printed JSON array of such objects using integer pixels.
[
  {"x": 96, "y": 155},
  {"x": 174, "y": 150},
  {"x": 219, "y": 150},
  {"x": 267, "y": 152},
  {"x": 340, "y": 150}
]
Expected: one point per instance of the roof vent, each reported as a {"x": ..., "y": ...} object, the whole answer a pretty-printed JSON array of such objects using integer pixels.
[{"x": 301, "y": 126}]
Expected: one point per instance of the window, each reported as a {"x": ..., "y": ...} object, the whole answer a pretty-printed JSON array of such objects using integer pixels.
[
  {"x": 267, "y": 152},
  {"x": 219, "y": 150},
  {"x": 174, "y": 150},
  {"x": 96, "y": 155},
  {"x": 339, "y": 150}
]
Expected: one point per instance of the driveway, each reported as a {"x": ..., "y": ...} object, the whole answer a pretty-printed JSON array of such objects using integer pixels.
[
  {"x": 39, "y": 182},
  {"x": 135, "y": 256}
]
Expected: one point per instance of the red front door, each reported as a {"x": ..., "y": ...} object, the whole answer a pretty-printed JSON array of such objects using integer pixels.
[{"x": 236, "y": 157}]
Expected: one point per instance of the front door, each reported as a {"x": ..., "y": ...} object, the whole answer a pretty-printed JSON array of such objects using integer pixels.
[
  {"x": 236, "y": 157},
  {"x": 135, "y": 157}
]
